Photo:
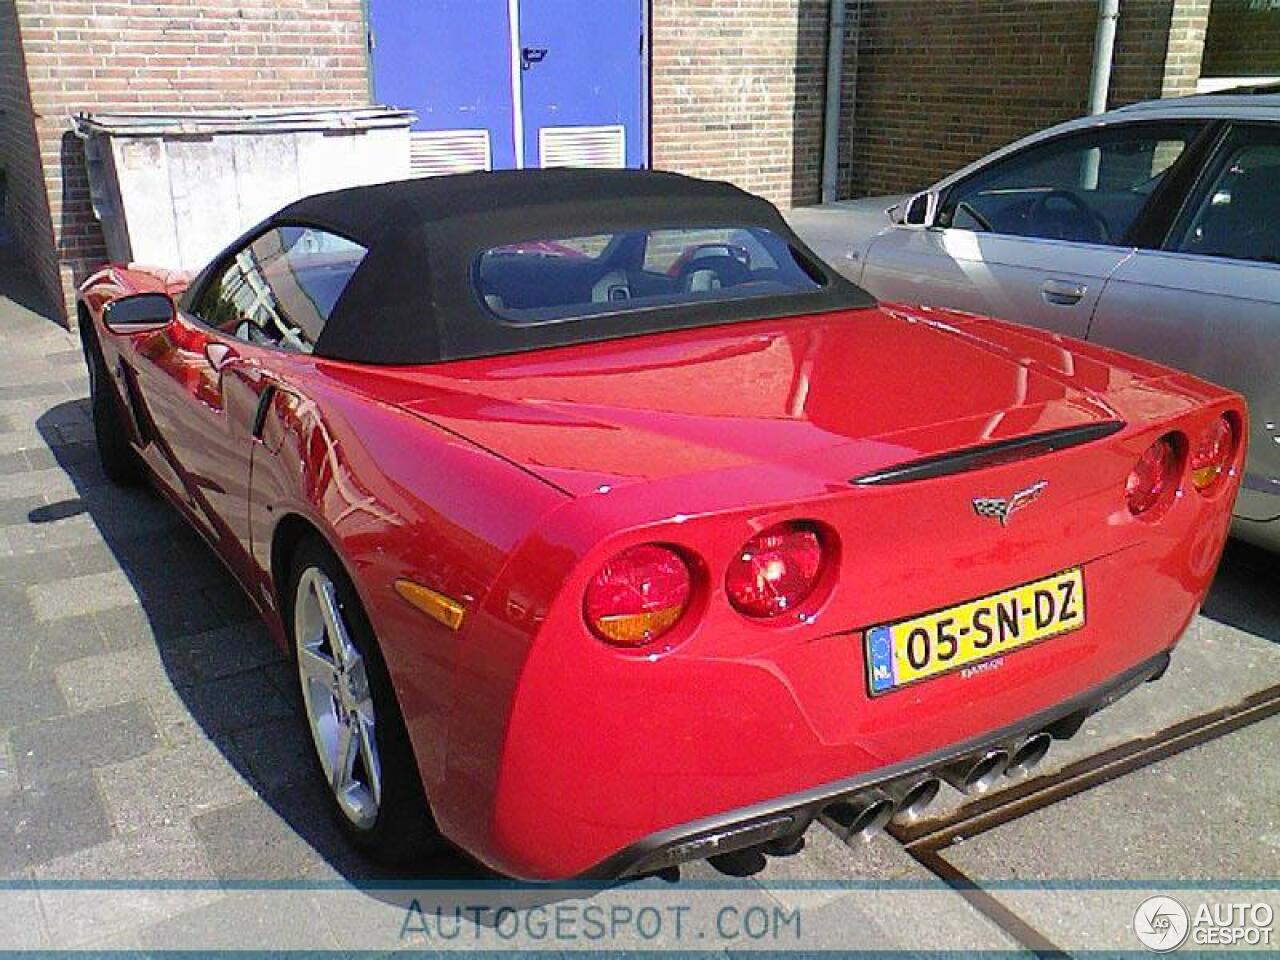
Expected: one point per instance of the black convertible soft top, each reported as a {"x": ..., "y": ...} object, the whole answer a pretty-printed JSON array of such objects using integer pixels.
[{"x": 413, "y": 299}]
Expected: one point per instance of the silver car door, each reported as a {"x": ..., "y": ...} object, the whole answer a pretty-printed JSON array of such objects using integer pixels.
[
  {"x": 1045, "y": 283},
  {"x": 1209, "y": 302},
  {"x": 1033, "y": 236}
]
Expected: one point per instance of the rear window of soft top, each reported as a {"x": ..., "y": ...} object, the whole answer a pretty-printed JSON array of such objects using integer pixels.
[{"x": 565, "y": 278}]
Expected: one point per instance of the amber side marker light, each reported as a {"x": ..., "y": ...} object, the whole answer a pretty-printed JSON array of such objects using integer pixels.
[
  {"x": 638, "y": 595},
  {"x": 1212, "y": 454},
  {"x": 434, "y": 604}
]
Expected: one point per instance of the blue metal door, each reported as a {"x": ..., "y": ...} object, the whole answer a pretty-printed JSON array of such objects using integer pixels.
[
  {"x": 450, "y": 60},
  {"x": 583, "y": 80},
  {"x": 551, "y": 82}
]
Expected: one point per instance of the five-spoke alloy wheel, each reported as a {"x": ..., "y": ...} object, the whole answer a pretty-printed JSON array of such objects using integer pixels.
[
  {"x": 336, "y": 697},
  {"x": 352, "y": 712}
]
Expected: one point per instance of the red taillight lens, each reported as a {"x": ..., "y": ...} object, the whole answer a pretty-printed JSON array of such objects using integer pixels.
[
  {"x": 1152, "y": 478},
  {"x": 775, "y": 570},
  {"x": 1212, "y": 454},
  {"x": 638, "y": 595}
]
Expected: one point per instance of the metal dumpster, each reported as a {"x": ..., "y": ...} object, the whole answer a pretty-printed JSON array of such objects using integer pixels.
[{"x": 174, "y": 189}]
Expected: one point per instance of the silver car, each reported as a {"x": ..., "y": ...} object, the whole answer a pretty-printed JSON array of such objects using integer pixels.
[{"x": 1154, "y": 228}]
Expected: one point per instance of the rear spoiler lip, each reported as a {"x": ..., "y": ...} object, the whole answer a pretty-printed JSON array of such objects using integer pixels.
[{"x": 1002, "y": 451}]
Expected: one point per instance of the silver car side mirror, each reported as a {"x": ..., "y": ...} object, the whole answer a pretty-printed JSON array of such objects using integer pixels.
[{"x": 921, "y": 210}]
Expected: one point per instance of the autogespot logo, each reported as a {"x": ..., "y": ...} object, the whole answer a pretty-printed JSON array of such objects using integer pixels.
[{"x": 1161, "y": 923}]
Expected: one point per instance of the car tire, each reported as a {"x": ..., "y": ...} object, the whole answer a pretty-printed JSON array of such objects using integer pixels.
[
  {"x": 120, "y": 462},
  {"x": 391, "y": 822}
]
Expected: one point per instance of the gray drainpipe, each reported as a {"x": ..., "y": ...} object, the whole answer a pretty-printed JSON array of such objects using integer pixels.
[
  {"x": 831, "y": 105},
  {"x": 1104, "y": 45}
]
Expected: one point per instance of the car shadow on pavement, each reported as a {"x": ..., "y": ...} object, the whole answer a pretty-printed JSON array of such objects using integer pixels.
[
  {"x": 1246, "y": 591},
  {"x": 222, "y": 677}
]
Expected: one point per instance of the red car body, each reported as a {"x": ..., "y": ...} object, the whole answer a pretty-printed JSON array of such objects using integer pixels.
[{"x": 507, "y": 481}]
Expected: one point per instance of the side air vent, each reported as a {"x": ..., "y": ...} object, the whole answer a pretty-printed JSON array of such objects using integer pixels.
[
  {"x": 989, "y": 455},
  {"x": 583, "y": 146},
  {"x": 434, "y": 153}
]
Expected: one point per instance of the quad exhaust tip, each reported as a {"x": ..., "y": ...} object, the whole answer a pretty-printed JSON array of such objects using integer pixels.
[
  {"x": 912, "y": 797},
  {"x": 861, "y": 817},
  {"x": 977, "y": 775},
  {"x": 866, "y": 814},
  {"x": 1027, "y": 755}
]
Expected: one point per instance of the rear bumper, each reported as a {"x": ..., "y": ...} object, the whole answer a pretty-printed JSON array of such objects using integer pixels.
[
  {"x": 640, "y": 752},
  {"x": 792, "y": 814}
]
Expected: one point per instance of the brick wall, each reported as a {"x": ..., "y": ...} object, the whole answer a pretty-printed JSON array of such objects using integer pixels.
[
  {"x": 738, "y": 92},
  {"x": 1184, "y": 55},
  {"x": 158, "y": 55},
  {"x": 938, "y": 85},
  {"x": 26, "y": 205},
  {"x": 1243, "y": 39}
]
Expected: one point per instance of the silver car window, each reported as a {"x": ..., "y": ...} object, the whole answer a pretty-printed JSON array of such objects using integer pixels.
[
  {"x": 1237, "y": 212},
  {"x": 1087, "y": 187}
]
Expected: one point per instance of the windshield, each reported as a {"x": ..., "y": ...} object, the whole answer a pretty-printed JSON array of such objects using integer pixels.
[{"x": 563, "y": 278}]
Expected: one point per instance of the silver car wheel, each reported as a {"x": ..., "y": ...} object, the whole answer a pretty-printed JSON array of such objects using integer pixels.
[{"x": 336, "y": 698}]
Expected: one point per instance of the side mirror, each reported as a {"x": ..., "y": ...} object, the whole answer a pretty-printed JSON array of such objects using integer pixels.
[
  {"x": 921, "y": 210},
  {"x": 138, "y": 310}
]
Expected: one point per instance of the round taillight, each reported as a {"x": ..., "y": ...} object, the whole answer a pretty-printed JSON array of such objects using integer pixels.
[
  {"x": 1212, "y": 454},
  {"x": 638, "y": 595},
  {"x": 775, "y": 570},
  {"x": 1155, "y": 474}
]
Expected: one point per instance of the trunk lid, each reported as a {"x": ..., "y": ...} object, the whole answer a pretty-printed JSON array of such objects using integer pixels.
[{"x": 835, "y": 395}]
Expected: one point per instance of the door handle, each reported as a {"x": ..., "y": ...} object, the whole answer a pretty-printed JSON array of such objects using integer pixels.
[
  {"x": 218, "y": 354},
  {"x": 1063, "y": 293}
]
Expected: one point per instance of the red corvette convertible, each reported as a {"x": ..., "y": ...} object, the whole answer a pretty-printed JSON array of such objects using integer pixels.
[{"x": 610, "y": 529}]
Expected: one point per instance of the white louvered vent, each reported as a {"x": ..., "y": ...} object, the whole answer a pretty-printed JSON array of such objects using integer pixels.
[
  {"x": 433, "y": 153},
  {"x": 583, "y": 146}
]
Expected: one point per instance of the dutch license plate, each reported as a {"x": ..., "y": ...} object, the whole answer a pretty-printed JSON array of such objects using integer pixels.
[{"x": 934, "y": 643}]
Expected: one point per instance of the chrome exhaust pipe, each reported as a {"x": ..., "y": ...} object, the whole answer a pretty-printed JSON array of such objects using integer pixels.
[
  {"x": 1028, "y": 754},
  {"x": 911, "y": 797},
  {"x": 977, "y": 774},
  {"x": 860, "y": 817}
]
